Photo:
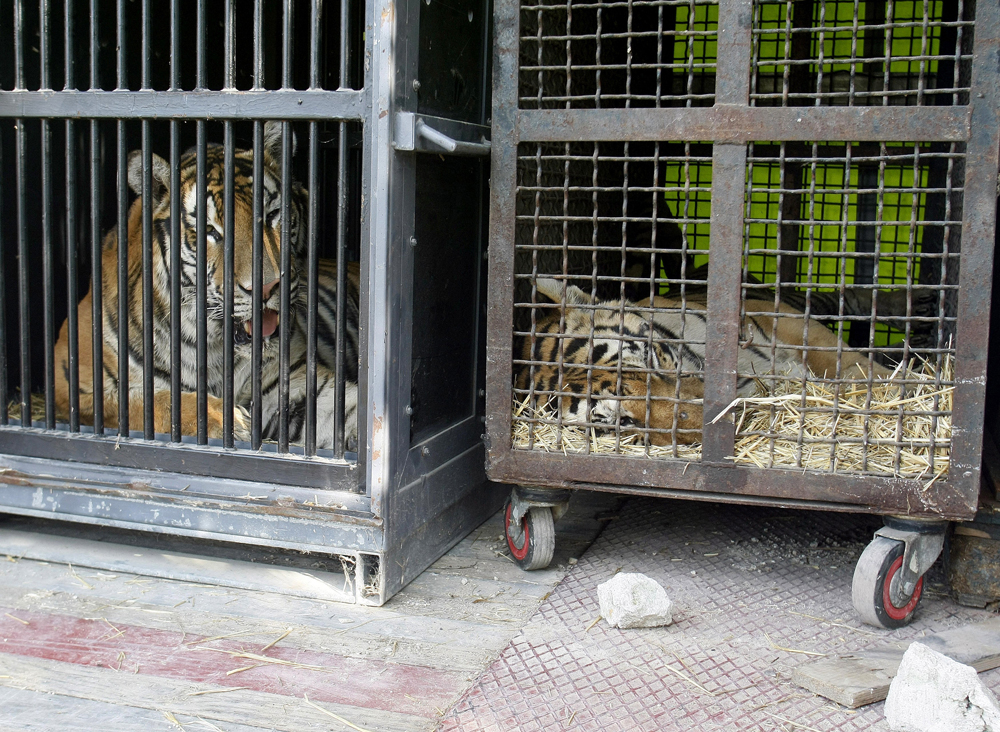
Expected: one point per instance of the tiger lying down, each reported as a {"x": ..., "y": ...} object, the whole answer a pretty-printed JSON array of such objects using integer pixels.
[
  {"x": 242, "y": 307},
  {"x": 657, "y": 351}
]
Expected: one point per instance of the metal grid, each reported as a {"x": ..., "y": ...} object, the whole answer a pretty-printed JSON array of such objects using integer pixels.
[
  {"x": 195, "y": 364},
  {"x": 865, "y": 240},
  {"x": 647, "y": 53},
  {"x": 606, "y": 232},
  {"x": 854, "y": 245},
  {"x": 861, "y": 52}
]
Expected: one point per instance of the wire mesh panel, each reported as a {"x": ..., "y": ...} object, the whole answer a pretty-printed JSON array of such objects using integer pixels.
[
  {"x": 772, "y": 292},
  {"x": 853, "y": 249},
  {"x": 610, "y": 310},
  {"x": 642, "y": 53},
  {"x": 197, "y": 279},
  {"x": 861, "y": 52}
]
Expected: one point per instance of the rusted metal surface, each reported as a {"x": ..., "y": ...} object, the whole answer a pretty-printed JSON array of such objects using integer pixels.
[
  {"x": 735, "y": 123},
  {"x": 952, "y": 136},
  {"x": 974, "y": 564}
]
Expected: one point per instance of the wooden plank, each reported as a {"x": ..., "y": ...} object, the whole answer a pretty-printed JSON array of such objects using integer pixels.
[
  {"x": 177, "y": 566},
  {"x": 242, "y": 706},
  {"x": 863, "y": 678},
  {"x": 24, "y": 709}
]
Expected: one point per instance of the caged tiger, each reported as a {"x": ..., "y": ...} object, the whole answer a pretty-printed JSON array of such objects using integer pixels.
[
  {"x": 243, "y": 314},
  {"x": 656, "y": 348}
]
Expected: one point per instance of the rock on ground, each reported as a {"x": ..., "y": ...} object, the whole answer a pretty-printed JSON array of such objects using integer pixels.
[
  {"x": 634, "y": 601},
  {"x": 933, "y": 693}
]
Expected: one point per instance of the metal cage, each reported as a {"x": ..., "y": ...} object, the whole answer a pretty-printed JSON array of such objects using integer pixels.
[
  {"x": 742, "y": 250},
  {"x": 302, "y": 369}
]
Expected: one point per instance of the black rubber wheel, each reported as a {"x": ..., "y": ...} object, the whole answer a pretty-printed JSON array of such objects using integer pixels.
[
  {"x": 879, "y": 563},
  {"x": 534, "y": 544}
]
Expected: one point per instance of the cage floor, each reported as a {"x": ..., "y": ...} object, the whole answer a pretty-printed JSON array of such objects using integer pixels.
[{"x": 747, "y": 584}]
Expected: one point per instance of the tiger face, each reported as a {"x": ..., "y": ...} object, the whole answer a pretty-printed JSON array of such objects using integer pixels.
[
  {"x": 243, "y": 232},
  {"x": 620, "y": 377}
]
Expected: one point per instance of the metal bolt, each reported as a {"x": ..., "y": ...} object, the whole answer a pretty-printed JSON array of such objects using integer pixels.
[
  {"x": 425, "y": 451},
  {"x": 416, "y": 82},
  {"x": 482, "y": 392},
  {"x": 409, "y": 409},
  {"x": 413, "y": 241}
]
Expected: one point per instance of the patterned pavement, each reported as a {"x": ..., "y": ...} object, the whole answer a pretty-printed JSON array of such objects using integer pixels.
[{"x": 757, "y": 591}]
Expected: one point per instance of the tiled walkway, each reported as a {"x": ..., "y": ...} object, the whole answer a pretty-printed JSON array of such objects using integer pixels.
[{"x": 757, "y": 591}]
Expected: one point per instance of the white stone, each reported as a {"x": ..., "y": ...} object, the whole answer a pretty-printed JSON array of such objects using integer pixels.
[
  {"x": 634, "y": 601},
  {"x": 933, "y": 693}
]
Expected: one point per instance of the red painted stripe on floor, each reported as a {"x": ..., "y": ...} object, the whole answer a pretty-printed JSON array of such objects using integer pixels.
[{"x": 362, "y": 683}]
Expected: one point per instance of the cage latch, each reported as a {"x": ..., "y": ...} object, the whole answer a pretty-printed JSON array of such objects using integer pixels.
[{"x": 438, "y": 135}]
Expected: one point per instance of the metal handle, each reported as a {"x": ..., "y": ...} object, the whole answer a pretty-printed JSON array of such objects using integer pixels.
[{"x": 414, "y": 134}]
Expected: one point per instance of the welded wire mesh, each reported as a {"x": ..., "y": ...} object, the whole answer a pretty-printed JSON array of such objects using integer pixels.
[
  {"x": 861, "y": 52},
  {"x": 606, "y": 232},
  {"x": 626, "y": 53},
  {"x": 852, "y": 250}
]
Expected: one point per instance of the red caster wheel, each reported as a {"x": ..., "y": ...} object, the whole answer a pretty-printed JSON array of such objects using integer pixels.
[
  {"x": 877, "y": 591},
  {"x": 532, "y": 540}
]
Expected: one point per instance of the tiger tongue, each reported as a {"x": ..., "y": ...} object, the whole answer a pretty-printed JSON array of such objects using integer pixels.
[{"x": 268, "y": 323}]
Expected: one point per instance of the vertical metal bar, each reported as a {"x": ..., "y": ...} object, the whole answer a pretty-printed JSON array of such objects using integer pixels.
[
  {"x": 976, "y": 258},
  {"x": 175, "y": 232},
  {"x": 4, "y": 370},
  {"x": 312, "y": 263},
  {"x": 201, "y": 280},
  {"x": 48, "y": 286},
  {"x": 22, "y": 251},
  {"x": 257, "y": 274},
  {"x": 24, "y": 281},
  {"x": 18, "y": 47},
  {"x": 96, "y": 279},
  {"x": 312, "y": 274},
  {"x": 503, "y": 175},
  {"x": 228, "y": 236},
  {"x": 228, "y": 244},
  {"x": 72, "y": 288},
  {"x": 284, "y": 324},
  {"x": 123, "y": 283},
  {"x": 340, "y": 354},
  {"x": 148, "y": 427},
  {"x": 257, "y": 283},
  {"x": 201, "y": 232},
  {"x": 724, "y": 272},
  {"x": 96, "y": 249}
]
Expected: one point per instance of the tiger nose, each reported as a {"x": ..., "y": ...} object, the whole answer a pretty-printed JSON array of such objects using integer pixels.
[{"x": 266, "y": 289}]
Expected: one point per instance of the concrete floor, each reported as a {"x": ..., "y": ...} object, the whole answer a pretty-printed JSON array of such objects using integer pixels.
[{"x": 473, "y": 643}]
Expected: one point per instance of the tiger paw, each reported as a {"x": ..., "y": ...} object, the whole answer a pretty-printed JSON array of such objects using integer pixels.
[{"x": 241, "y": 424}]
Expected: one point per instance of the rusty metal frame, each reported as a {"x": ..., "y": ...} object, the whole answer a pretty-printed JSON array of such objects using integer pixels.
[{"x": 731, "y": 124}]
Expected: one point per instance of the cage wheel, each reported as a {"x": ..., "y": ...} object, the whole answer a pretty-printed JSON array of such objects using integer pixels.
[
  {"x": 871, "y": 589},
  {"x": 534, "y": 542}
]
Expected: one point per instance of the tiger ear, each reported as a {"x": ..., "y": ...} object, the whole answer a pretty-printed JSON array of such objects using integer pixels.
[
  {"x": 553, "y": 289},
  {"x": 160, "y": 175},
  {"x": 272, "y": 141}
]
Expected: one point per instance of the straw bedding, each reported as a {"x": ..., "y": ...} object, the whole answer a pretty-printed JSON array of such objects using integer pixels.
[{"x": 889, "y": 430}]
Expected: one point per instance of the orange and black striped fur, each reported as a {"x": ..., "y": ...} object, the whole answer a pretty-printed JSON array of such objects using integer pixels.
[
  {"x": 242, "y": 306},
  {"x": 659, "y": 349}
]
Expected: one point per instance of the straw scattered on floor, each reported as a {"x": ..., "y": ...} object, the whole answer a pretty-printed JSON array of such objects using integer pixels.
[{"x": 902, "y": 431}]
